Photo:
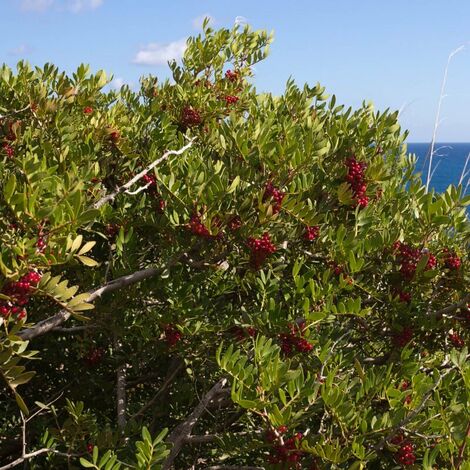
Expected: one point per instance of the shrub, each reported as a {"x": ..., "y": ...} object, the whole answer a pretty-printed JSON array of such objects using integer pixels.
[{"x": 264, "y": 277}]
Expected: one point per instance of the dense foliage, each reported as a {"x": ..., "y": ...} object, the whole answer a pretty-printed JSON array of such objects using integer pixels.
[{"x": 198, "y": 275}]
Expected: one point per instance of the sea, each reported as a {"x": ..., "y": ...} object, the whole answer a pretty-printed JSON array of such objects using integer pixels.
[{"x": 448, "y": 163}]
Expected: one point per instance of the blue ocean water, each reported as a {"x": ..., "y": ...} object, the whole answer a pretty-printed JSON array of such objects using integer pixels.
[{"x": 448, "y": 163}]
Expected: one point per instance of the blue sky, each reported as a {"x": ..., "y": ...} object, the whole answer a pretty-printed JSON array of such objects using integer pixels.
[{"x": 392, "y": 53}]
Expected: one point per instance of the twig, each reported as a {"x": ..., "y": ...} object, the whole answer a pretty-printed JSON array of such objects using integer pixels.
[
  {"x": 183, "y": 431},
  {"x": 120, "y": 390},
  {"x": 125, "y": 187},
  {"x": 74, "y": 329},
  {"x": 464, "y": 171},
  {"x": 232, "y": 467},
  {"x": 392, "y": 431},
  {"x": 462, "y": 448},
  {"x": 173, "y": 371},
  {"x": 436, "y": 122},
  {"x": 25, "y": 457}
]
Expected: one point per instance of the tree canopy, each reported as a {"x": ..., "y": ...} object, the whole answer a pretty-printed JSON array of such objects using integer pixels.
[{"x": 197, "y": 275}]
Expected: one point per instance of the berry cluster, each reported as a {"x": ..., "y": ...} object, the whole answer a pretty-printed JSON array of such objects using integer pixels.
[
  {"x": 405, "y": 454},
  {"x": 19, "y": 293},
  {"x": 311, "y": 233},
  {"x": 190, "y": 117},
  {"x": 409, "y": 258},
  {"x": 8, "y": 149},
  {"x": 287, "y": 451},
  {"x": 230, "y": 99},
  {"x": 94, "y": 356},
  {"x": 87, "y": 110},
  {"x": 234, "y": 223},
  {"x": 112, "y": 230},
  {"x": 274, "y": 194},
  {"x": 403, "y": 337},
  {"x": 456, "y": 340},
  {"x": 294, "y": 340},
  {"x": 241, "y": 333},
  {"x": 151, "y": 183},
  {"x": 336, "y": 268},
  {"x": 451, "y": 260},
  {"x": 404, "y": 296},
  {"x": 260, "y": 248},
  {"x": 172, "y": 335},
  {"x": 356, "y": 179},
  {"x": 197, "y": 227},
  {"x": 231, "y": 76}
]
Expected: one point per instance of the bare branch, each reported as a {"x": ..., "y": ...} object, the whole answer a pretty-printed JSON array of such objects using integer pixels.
[
  {"x": 232, "y": 467},
  {"x": 25, "y": 457},
  {"x": 50, "y": 323},
  {"x": 125, "y": 187},
  {"x": 173, "y": 371},
  {"x": 182, "y": 432}
]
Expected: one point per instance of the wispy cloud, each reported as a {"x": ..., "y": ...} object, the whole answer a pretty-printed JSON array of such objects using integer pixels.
[
  {"x": 117, "y": 83},
  {"x": 240, "y": 21},
  {"x": 197, "y": 22},
  {"x": 74, "y": 6},
  {"x": 21, "y": 50},
  {"x": 36, "y": 5},
  {"x": 159, "y": 54}
]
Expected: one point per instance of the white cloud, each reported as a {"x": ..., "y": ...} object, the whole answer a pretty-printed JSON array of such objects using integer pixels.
[
  {"x": 36, "y": 5},
  {"x": 159, "y": 54},
  {"x": 117, "y": 83},
  {"x": 240, "y": 21},
  {"x": 74, "y": 6},
  {"x": 77, "y": 6},
  {"x": 22, "y": 49},
  {"x": 197, "y": 22}
]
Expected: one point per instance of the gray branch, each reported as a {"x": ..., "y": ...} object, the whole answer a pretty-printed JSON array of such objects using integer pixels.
[
  {"x": 125, "y": 187},
  {"x": 182, "y": 432}
]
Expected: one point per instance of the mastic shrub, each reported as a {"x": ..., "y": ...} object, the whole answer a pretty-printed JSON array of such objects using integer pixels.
[{"x": 194, "y": 274}]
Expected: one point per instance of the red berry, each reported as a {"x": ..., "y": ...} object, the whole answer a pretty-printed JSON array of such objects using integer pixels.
[
  {"x": 311, "y": 233},
  {"x": 87, "y": 110},
  {"x": 8, "y": 149},
  {"x": 190, "y": 117},
  {"x": 232, "y": 76}
]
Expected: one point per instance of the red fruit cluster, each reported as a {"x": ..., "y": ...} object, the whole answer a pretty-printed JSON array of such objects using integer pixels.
[
  {"x": 402, "y": 338},
  {"x": 230, "y": 99},
  {"x": 93, "y": 357},
  {"x": 230, "y": 75},
  {"x": 241, "y": 333},
  {"x": 409, "y": 258},
  {"x": 190, "y": 117},
  {"x": 288, "y": 452},
  {"x": 112, "y": 230},
  {"x": 114, "y": 136},
  {"x": 295, "y": 341},
  {"x": 234, "y": 223},
  {"x": 87, "y": 110},
  {"x": 273, "y": 193},
  {"x": 197, "y": 227},
  {"x": 19, "y": 293},
  {"x": 404, "y": 296},
  {"x": 151, "y": 182},
  {"x": 405, "y": 454},
  {"x": 260, "y": 248},
  {"x": 456, "y": 340},
  {"x": 172, "y": 335},
  {"x": 356, "y": 179},
  {"x": 41, "y": 243},
  {"x": 336, "y": 268},
  {"x": 311, "y": 233},
  {"x": 8, "y": 149},
  {"x": 451, "y": 260}
]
